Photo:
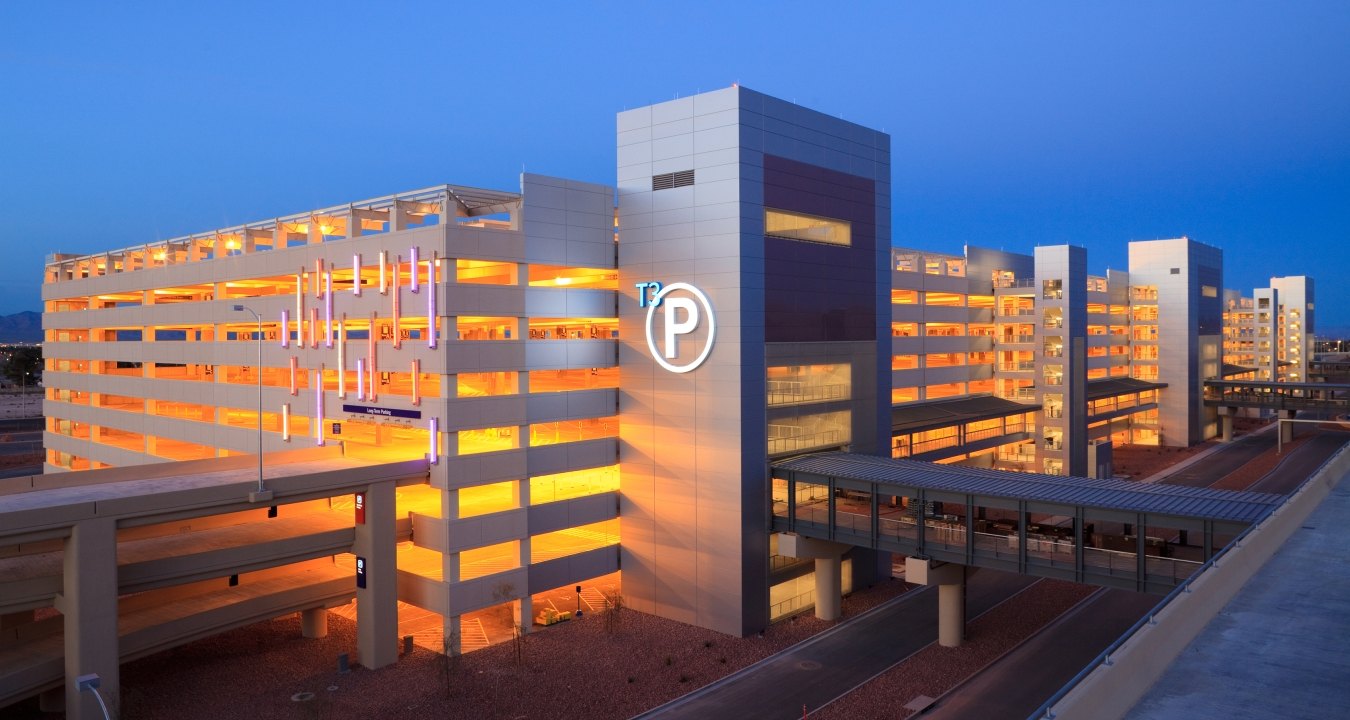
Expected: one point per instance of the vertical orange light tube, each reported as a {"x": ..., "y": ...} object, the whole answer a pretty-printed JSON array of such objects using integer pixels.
[
  {"x": 416, "y": 383},
  {"x": 300, "y": 308},
  {"x": 286, "y": 422},
  {"x": 370, "y": 352},
  {"x": 313, "y": 327},
  {"x": 295, "y": 368},
  {"x": 384, "y": 261},
  {"x": 318, "y": 283},
  {"x": 342, "y": 356}
]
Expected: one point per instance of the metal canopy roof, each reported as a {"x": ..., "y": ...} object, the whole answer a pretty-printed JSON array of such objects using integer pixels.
[
  {"x": 1110, "y": 387},
  {"x": 914, "y": 417},
  {"x": 1229, "y": 370},
  {"x": 1119, "y": 495}
]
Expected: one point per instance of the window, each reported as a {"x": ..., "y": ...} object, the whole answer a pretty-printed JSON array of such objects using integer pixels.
[
  {"x": 1209, "y": 291},
  {"x": 797, "y": 226}
]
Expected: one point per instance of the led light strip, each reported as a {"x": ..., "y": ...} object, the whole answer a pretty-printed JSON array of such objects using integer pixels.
[
  {"x": 360, "y": 379},
  {"x": 295, "y": 367},
  {"x": 285, "y": 329},
  {"x": 370, "y": 352},
  {"x": 300, "y": 307},
  {"x": 318, "y": 405},
  {"x": 434, "y": 442},
  {"x": 356, "y": 274},
  {"x": 286, "y": 422},
  {"x": 416, "y": 383},
  {"x": 328, "y": 309},
  {"x": 313, "y": 327},
  {"x": 398, "y": 263},
  {"x": 342, "y": 356},
  {"x": 412, "y": 265},
  {"x": 384, "y": 261}
]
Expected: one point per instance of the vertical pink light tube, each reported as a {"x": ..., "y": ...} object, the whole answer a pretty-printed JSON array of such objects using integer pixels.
[
  {"x": 360, "y": 379},
  {"x": 356, "y": 273},
  {"x": 416, "y": 383},
  {"x": 413, "y": 283},
  {"x": 431, "y": 301},
  {"x": 286, "y": 422},
  {"x": 313, "y": 327},
  {"x": 328, "y": 309},
  {"x": 318, "y": 405},
  {"x": 285, "y": 329},
  {"x": 295, "y": 367},
  {"x": 342, "y": 356},
  {"x": 433, "y": 442},
  {"x": 398, "y": 341}
]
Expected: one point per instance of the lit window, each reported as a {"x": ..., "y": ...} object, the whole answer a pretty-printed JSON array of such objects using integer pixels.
[{"x": 797, "y": 226}]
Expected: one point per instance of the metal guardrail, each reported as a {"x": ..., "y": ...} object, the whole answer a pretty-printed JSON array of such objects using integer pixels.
[{"x": 1045, "y": 711}]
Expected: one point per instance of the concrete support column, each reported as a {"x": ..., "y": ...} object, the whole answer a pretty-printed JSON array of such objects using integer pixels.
[
  {"x": 951, "y": 581},
  {"x": 522, "y": 609},
  {"x": 377, "y": 602},
  {"x": 829, "y": 574},
  {"x": 1287, "y": 429},
  {"x": 88, "y": 600},
  {"x": 829, "y": 587},
  {"x": 314, "y": 622},
  {"x": 453, "y": 638},
  {"x": 952, "y": 613},
  {"x": 1225, "y": 427}
]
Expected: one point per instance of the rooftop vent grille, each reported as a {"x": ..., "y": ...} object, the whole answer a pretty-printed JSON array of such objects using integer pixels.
[{"x": 673, "y": 180}]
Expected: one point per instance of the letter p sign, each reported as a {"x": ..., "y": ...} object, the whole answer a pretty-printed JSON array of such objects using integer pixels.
[{"x": 683, "y": 308}]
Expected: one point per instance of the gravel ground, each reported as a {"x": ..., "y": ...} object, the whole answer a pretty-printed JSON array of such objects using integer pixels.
[
  {"x": 1141, "y": 461},
  {"x": 582, "y": 669},
  {"x": 935, "y": 670}
]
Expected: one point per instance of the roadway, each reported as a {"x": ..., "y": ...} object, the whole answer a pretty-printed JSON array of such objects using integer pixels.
[{"x": 817, "y": 671}]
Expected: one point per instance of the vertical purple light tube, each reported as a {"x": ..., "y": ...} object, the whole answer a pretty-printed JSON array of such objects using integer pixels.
[
  {"x": 285, "y": 329},
  {"x": 360, "y": 379},
  {"x": 356, "y": 274}
]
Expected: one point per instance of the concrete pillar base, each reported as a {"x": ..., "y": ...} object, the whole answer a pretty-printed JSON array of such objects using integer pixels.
[
  {"x": 829, "y": 587},
  {"x": 522, "y": 612},
  {"x": 314, "y": 622},
  {"x": 951, "y": 614},
  {"x": 452, "y": 640},
  {"x": 1225, "y": 428},
  {"x": 951, "y": 581}
]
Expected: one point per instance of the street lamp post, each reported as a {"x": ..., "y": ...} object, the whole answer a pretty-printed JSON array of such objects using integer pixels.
[{"x": 260, "y": 494}]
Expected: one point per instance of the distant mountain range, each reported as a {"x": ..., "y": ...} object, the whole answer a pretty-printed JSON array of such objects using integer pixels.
[{"x": 25, "y": 327}]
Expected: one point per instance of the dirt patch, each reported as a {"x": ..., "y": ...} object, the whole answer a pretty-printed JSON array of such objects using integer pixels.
[
  {"x": 1143, "y": 461},
  {"x": 583, "y": 668}
]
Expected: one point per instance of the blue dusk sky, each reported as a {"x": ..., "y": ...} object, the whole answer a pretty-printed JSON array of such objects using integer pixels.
[{"x": 1012, "y": 124}]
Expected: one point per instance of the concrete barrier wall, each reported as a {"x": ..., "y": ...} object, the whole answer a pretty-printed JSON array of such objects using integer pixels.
[{"x": 1109, "y": 692}]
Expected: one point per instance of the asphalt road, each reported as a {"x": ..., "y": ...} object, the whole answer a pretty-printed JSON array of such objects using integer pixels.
[
  {"x": 1300, "y": 463},
  {"x": 1025, "y": 677},
  {"x": 817, "y": 671}
]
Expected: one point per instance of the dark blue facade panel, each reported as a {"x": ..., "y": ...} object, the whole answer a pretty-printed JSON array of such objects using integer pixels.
[{"x": 817, "y": 292}]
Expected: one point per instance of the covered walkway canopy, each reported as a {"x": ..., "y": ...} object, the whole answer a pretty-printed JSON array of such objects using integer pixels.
[
  {"x": 1277, "y": 395},
  {"x": 1105, "y": 532}
]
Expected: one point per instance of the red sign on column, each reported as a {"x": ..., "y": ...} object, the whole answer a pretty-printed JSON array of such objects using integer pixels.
[{"x": 360, "y": 508}]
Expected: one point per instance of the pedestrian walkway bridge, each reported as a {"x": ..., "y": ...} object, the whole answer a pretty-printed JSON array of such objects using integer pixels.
[
  {"x": 1289, "y": 396},
  {"x": 1112, "y": 533}
]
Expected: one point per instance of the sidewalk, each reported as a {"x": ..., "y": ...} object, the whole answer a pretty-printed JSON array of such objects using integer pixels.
[{"x": 1174, "y": 469}]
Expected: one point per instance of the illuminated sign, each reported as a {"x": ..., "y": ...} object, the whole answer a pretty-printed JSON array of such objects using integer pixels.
[
  {"x": 360, "y": 572},
  {"x": 360, "y": 508},
  {"x": 684, "y": 309},
  {"x": 382, "y": 412}
]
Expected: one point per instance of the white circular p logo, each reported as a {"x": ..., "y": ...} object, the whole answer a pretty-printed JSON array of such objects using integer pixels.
[{"x": 682, "y": 317}]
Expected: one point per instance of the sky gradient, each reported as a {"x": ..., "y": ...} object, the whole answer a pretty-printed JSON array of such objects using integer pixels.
[{"x": 1012, "y": 124}]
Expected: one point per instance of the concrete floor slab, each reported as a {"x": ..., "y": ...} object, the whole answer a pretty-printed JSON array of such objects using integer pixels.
[{"x": 1278, "y": 649}]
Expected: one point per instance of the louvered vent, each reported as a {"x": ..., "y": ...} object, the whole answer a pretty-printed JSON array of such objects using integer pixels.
[{"x": 673, "y": 180}]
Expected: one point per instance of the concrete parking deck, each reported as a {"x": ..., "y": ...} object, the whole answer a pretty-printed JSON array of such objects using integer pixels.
[{"x": 1278, "y": 648}]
